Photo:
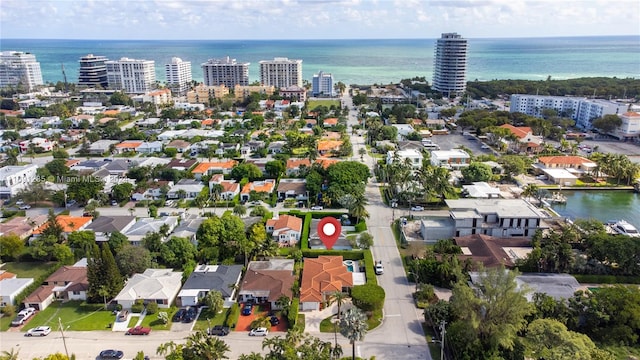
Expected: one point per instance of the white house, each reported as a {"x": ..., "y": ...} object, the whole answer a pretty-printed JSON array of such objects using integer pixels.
[
  {"x": 143, "y": 226},
  {"x": 10, "y": 288},
  {"x": 149, "y": 147},
  {"x": 185, "y": 189},
  {"x": 453, "y": 159},
  {"x": 14, "y": 179},
  {"x": 154, "y": 285},
  {"x": 412, "y": 155},
  {"x": 37, "y": 142}
]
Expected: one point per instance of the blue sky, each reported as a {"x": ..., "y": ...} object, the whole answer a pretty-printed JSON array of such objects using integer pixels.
[{"x": 314, "y": 19}]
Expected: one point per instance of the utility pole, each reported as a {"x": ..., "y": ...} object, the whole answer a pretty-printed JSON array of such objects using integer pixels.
[
  {"x": 64, "y": 341},
  {"x": 443, "y": 333}
]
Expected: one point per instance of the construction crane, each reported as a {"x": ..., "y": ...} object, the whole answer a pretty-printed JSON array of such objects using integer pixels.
[{"x": 64, "y": 75}]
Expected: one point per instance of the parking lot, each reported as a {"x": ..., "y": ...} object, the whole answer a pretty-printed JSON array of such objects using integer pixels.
[{"x": 453, "y": 140}]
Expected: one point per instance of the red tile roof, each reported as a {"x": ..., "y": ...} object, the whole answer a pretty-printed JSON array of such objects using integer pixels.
[
  {"x": 324, "y": 275},
  {"x": 564, "y": 160},
  {"x": 519, "y": 131}
]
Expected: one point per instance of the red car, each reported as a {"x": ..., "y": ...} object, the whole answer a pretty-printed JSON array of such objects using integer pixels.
[{"x": 138, "y": 330}]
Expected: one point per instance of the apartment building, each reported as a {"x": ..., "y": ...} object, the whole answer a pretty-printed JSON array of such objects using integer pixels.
[
  {"x": 201, "y": 94},
  {"x": 178, "y": 74},
  {"x": 17, "y": 67},
  {"x": 322, "y": 84},
  {"x": 630, "y": 128},
  {"x": 281, "y": 72},
  {"x": 580, "y": 109},
  {"x": 450, "y": 65},
  {"x": 134, "y": 76},
  {"x": 14, "y": 179},
  {"x": 93, "y": 71},
  {"x": 226, "y": 71},
  {"x": 243, "y": 92}
]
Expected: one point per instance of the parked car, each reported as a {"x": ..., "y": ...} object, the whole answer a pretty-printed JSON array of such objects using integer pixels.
[
  {"x": 179, "y": 315},
  {"x": 190, "y": 315},
  {"x": 38, "y": 331},
  {"x": 114, "y": 203},
  {"x": 317, "y": 207},
  {"x": 70, "y": 203},
  {"x": 22, "y": 316},
  {"x": 138, "y": 330},
  {"x": 247, "y": 309},
  {"x": 110, "y": 354},
  {"x": 417, "y": 208},
  {"x": 219, "y": 330},
  {"x": 25, "y": 207},
  {"x": 259, "y": 332},
  {"x": 379, "y": 268},
  {"x": 274, "y": 320},
  {"x": 484, "y": 146},
  {"x": 20, "y": 202}
]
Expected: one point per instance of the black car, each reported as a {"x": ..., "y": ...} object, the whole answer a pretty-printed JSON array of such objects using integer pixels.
[
  {"x": 190, "y": 315},
  {"x": 111, "y": 354},
  {"x": 274, "y": 320},
  {"x": 219, "y": 330},
  {"x": 179, "y": 315}
]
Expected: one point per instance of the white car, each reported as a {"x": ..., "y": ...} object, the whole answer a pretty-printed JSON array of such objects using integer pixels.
[
  {"x": 417, "y": 208},
  {"x": 20, "y": 202},
  {"x": 22, "y": 316},
  {"x": 379, "y": 268},
  {"x": 317, "y": 207},
  {"x": 38, "y": 331},
  {"x": 484, "y": 146},
  {"x": 25, "y": 207},
  {"x": 259, "y": 332}
]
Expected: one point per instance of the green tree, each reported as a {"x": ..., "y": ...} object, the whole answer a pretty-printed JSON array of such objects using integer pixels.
[
  {"x": 10, "y": 246},
  {"x": 492, "y": 314},
  {"x": 250, "y": 171},
  {"x": 368, "y": 297},
  {"x": 102, "y": 272},
  {"x": 57, "y": 167},
  {"x": 550, "y": 339},
  {"x": 122, "y": 192},
  {"x": 120, "y": 98},
  {"x": 199, "y": 346},
  {"x": 177, "y": 252},
  {"x": 239, "y": 210},
  {"x": 133, "y": 260},
  {"x": 607, "y": 123},
  {"x": 116, "y": 241},
  {"x": 275, "y": 168},
  {"x": 83, "y": 189},
  {"x": 477, "y": 171},
  {"x": 513, "y": 165},
  {"x": 353, "y": 326}
]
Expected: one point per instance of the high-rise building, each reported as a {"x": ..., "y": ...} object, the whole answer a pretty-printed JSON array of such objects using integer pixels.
[
  {"x": 18, "y": 67},
  {"x": 322, "y": 84},
  {"x": 281, "y": 72},
  {"x": 93, "y": 71},
  {"x": 450, "y": 65},
  {"x": 226, "y": 71},
  {"x": 131, "y": 75},
  {"x": 178, "y": 74}
]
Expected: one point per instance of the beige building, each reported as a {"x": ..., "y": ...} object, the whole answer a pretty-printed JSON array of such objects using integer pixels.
[
  {"x": 242, "y": 92},
  {"x": 202, "y": 93}
]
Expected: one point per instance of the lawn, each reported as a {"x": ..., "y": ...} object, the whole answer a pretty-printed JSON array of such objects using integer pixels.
[
  {"x": 215, "y": 319},
  {"x": 76, "y": 315},
  {"x": 5, "y": 322},
  {"x": 152, "y": 321},
  {"x": 315, "y": 103},
  {"x": 326, "y": 325},
  {"x": 28, "y": 269}
]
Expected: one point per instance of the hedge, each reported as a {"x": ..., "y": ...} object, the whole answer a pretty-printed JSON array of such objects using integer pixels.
[
  {"x": 369, "y": 270},
  {"x": 361, "y": 226},
  {"x": 320, "y": 215},
  {"x": 368, "y": 297},
  {"x": 607, "y": 279},
  {"x": 292, "y": 316},
  {"x": 304, "y": 238},
  {"x": 346, "y": 254},
  {"x": 232, "y": 316}
]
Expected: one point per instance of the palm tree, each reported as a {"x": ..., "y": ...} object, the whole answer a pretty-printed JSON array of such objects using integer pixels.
[
  {"x": 339, "y": 298},
  {"x": 353, "y": 326},
  {"x": 358, "y": 207},
  {"x": 530, "y": 190},
  {"x": 201, "y": 346},
  {"x": 239, "y": 210},
  {"x": 10, "y": 355},
  {"x": 252, "y": 356},
  {"x": 276, "y": 345}
]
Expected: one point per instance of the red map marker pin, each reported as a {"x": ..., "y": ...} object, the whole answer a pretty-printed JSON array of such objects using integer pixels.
[{"x": 329, "y": 230}]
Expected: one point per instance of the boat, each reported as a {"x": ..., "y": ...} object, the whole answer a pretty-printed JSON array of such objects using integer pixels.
[
  {"x": 556, "y": 198},
  {"x": 622, "y": 227}
]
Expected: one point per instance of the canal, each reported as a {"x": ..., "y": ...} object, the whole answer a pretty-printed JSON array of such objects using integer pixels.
[{"x": 602, "y": 205}]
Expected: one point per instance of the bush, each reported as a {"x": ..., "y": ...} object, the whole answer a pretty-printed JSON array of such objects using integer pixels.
[
  {"x": 138, "y": 306},
  {"x": 9, "y": 310},
  {"x": 368, "y": 297},
  {"x": 292, "y": 316},
  {"x": 232, "y": 317},
  {"x": 152, "y": 308},
  {"x": 361, "y": 226}
]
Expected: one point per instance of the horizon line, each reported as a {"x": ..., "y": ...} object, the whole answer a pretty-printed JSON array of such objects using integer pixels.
[{"x": 327, "y": 39}]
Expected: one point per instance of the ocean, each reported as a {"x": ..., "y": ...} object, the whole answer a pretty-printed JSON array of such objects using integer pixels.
[{"x": 360, "y": 61}]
